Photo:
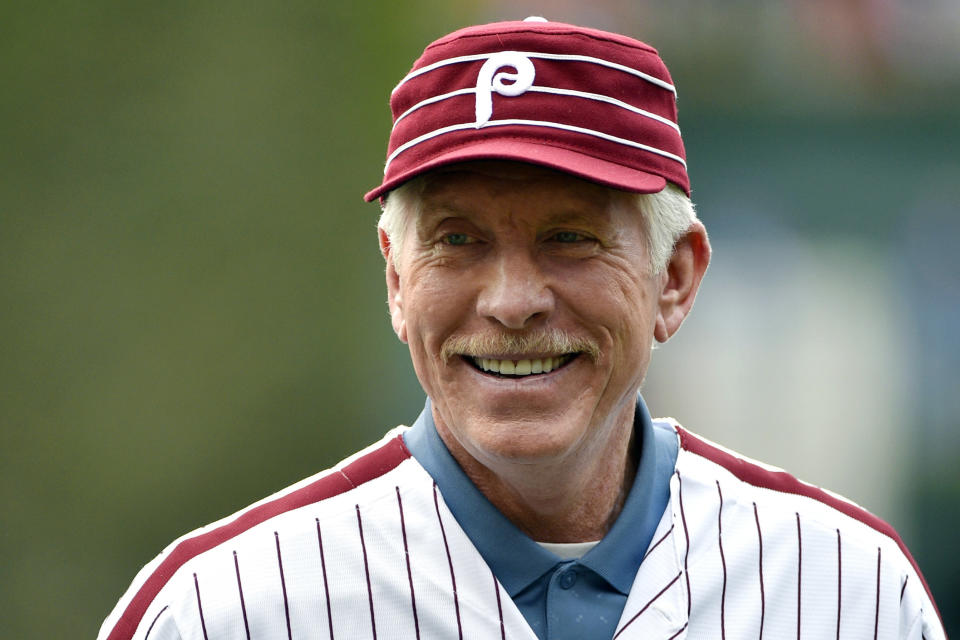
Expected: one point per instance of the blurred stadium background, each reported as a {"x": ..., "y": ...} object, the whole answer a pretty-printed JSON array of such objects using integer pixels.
[{"x": 193, "y": 303}]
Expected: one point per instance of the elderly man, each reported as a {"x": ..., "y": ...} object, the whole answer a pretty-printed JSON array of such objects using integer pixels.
[{"x": 538, "y": 237}]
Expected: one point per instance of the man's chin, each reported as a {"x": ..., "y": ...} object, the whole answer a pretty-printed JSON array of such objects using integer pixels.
[{"x": 520, "y": 437}]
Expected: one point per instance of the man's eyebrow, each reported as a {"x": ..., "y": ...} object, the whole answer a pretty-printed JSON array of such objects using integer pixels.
[
  {"x": 446, "y": 208},
  {"x": 576, "y": 216},
  {"x": 432, "y": 213},
  {"x": 587, "y": 214}
]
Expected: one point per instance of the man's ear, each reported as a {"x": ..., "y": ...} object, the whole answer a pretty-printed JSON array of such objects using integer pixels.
[
  {"x": 681, "y": 279},
  {"x": 394, "y": 299}
]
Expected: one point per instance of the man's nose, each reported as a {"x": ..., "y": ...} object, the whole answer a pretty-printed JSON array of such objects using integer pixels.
[{"x": 516, "y": 292}]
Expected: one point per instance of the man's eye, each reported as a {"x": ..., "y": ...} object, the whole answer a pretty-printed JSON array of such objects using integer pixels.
[
  {"x": 456, "y": 239},
  {"x": 568, "y": 236}
]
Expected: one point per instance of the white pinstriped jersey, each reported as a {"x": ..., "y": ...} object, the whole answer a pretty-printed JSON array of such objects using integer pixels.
[{"x": 370, "y": 550}]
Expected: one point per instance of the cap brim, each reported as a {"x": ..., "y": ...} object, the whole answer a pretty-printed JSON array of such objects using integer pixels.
[{"x": 573, "y": 162}]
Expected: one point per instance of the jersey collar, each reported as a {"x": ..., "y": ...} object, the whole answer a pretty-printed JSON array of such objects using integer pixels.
[{"x": 518, "y": 561}]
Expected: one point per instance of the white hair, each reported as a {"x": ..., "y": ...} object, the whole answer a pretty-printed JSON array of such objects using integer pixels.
[
  {"x": 402, "y": 205},
  {"x": 666, "y": 216}
]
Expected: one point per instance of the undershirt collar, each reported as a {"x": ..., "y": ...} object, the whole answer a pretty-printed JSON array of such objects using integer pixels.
[{"x": 569, "y": 550}]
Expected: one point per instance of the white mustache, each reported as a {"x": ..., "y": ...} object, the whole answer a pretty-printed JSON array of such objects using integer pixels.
[{"x": 547, "y": 342}]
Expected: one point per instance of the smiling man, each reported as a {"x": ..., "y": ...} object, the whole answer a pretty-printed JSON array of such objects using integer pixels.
[{"x": 539, "y": 238}]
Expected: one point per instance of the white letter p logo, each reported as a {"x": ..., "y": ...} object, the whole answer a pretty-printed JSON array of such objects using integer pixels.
[{"x": 487, "y": 82}]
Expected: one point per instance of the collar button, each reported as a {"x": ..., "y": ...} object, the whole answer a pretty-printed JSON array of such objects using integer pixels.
[{"x": 568, "y": 578}]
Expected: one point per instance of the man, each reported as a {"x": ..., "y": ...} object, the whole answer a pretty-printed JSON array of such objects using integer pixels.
[{"x": 538, "y": 237}]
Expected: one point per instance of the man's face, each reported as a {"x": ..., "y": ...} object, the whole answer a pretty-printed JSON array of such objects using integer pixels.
[{"x": 505, "y": 252}]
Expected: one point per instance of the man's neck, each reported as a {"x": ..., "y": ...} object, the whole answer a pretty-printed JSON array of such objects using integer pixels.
[{"x": 558, "y": 501}]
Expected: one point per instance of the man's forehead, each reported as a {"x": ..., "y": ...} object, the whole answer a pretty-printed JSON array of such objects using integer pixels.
[{"x": 540, "y": 195}]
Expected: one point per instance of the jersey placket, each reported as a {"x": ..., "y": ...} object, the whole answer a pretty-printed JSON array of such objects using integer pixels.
[{"x": 571, "y": 610}]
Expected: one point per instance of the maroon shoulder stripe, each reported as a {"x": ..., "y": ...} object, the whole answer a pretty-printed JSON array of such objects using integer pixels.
[
  {"x": 364, "y": 469},
  {"x": 784, "y": 482}
]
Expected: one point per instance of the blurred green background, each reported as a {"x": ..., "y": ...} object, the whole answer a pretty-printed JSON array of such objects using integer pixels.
[{"x": 193, "y": 308}]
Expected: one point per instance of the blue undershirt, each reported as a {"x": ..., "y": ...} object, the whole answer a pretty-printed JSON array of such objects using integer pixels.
[{"x": 560, "y": 599}]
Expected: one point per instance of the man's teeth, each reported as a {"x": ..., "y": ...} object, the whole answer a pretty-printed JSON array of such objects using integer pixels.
[{"x": 522, "y": 367}]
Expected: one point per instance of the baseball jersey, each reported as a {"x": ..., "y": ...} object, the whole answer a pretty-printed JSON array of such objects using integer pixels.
[{"x": 369, "y": 549}]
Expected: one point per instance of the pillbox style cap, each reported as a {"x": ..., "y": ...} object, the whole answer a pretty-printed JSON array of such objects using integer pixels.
[{"x": 598, "y": 105}]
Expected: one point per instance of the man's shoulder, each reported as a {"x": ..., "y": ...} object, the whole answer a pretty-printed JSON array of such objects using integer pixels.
[
  {"x": 725, "y": 471},
  {"x": 734, "y": 511},
  {"x": 330, "y": 496}
]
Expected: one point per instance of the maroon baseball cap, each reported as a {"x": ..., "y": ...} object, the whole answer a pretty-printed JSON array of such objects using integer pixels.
[{"x": 594, "y": 104}]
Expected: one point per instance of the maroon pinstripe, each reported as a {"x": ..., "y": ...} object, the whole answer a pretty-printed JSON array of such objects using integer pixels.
[
  {"x": 686, "y": 533},
  {"x": 682, "y": 629},
  {"x": 326, "y": 586},
  {"x": 453, "y": 578},
  {"x": 283, "y": 585},
  {"x": 150, "y": 628},
  {"x": 243, "y": 604},
  {"x": 839, "y": 582},
  {"x": 496, "y": 589},
  {"x": 366, "y": 569},
  {"x": 799, "y": 572},
  {"x": 657, "y": 543},
  {"x": 406, "y": 553},
  {"x": 763, "y": 597},
  {"x": 723, "y": 562},
  {"x": 646, "y": 606},
  {"x": 203, "y": 624},
  {"x": 876, "y": 615}
]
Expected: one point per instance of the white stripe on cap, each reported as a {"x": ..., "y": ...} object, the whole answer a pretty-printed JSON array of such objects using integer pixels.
[
  {"x": 530, "y": 123},
  {"x": 562, "y": 92},
  {"x": 439, "y": 98},
  {"x": 543, "y": 56}
]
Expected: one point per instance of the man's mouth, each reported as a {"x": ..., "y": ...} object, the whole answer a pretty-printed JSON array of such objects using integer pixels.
[{"x": 520, "y": 368}]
